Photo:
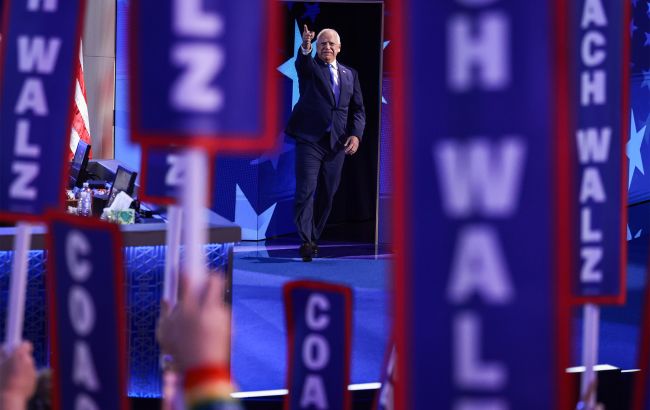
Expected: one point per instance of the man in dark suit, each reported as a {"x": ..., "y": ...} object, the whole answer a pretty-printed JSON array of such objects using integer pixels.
[{"x": 327, "y": 124}]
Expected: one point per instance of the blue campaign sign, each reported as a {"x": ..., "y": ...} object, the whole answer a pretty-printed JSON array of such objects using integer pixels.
[
  {"x": 481, "y": 204},
  {"x": 318, "y": 333},
  {"x": 198, "y": 77},
  {"x": 39, "y": 51},
  {"x": 163, "y": 173},
  {"x": 600, "y": 55},
  {"x": 86, "y": 313}
]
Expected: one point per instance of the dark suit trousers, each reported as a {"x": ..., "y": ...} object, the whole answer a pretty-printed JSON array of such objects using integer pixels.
[{"x": 318, "y": 173}]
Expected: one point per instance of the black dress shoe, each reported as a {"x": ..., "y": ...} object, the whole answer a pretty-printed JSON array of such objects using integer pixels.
[
  {"x": 306, "y": 252},
  {"x": 314, "y": 249}
]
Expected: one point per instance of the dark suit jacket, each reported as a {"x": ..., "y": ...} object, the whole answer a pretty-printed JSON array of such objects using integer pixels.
[{"x": 316, "y": 108}]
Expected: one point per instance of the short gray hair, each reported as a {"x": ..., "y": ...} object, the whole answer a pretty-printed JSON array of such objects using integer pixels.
[{"x": 336, "y": 34}]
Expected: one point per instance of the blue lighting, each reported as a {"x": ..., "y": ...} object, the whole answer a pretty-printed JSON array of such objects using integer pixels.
[{"x": 144, "y": 278}]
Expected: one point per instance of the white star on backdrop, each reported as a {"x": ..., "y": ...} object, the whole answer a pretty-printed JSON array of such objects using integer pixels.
[
  {"x": 274, "y": 156},
  {"x": 629, "y": 233},
  {"x": 646, "y": 79},
  {"x": 386, "y": 43},
  {"x": 633, "y": 149},
  {"x": 253, "y": 226}
]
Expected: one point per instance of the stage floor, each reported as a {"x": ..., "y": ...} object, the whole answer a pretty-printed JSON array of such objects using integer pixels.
[
  {"x": 261, "y": 268},
  {"x": 259, "y": 339},
  {"x": 259, "y": 342}
]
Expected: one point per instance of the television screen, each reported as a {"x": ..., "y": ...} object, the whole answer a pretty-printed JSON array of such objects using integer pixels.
[
  {"x": 78, "y": 166},
  {"x": 124, "y": 181}
]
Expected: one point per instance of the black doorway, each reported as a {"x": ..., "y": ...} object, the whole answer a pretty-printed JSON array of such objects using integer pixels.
[{"x": 360, "y": 25}]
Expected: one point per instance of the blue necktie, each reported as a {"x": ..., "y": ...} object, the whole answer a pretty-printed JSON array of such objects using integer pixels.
[{"x": 334, "y": 83}]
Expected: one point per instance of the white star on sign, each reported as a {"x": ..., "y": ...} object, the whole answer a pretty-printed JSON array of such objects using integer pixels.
[
  {"x": 288, "y": 68},
  {"x": 633, "y": 149}
]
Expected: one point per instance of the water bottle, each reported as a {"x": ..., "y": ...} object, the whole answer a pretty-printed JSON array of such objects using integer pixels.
[{"x": 85, "y": 200}]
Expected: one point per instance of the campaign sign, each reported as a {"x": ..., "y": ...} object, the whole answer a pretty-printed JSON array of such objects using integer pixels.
[
  {"x": 39, "y": 51},
  {"x": 481, "y": 204},
  {"x": 600, "y": 55},
  {"x": 319, "y": 317},
  {"x": 86, "y": 313},
  {"x": 204, "y": 73},
  {"x": 162, "y": 174}
]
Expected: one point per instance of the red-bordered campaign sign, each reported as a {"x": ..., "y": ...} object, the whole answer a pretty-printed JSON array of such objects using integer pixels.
[
  {"x": 38, "y": 53},
  {"x": 163, "y": 174},
  {"x": 87, "y": 313},
  {"x": 204, "y": 73},
  {"x": 600, "y": 55},
  {"x": 482, "y": 204},
  {"x": 319, "y": 332}
]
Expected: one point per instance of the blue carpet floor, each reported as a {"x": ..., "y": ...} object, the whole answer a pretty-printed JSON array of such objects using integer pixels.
[{"x": 259, "y": 341}]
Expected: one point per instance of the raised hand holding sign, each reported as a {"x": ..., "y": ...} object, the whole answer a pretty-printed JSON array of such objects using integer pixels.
[
  {"x": 39, "y": 56},
  {"x": 208, "y": 97}
]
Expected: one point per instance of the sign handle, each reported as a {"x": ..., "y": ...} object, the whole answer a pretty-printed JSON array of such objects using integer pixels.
[
  {"x": 194, "y": 199},
  {"x": 16, "y": 310},
  {"x": 590, "y": 330},
  {"x": 192, "y": 218},
  {"x": 171, "y": 383},
  {"x": 172, "y": 255},
  {"x": 172, "y": 395}
]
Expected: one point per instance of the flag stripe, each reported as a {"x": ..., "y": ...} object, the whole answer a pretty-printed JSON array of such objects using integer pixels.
[
  {"x": 80, "y": 100},
  {"x": 80, "y": 66},
  {"x": 80, "y": 121},
  {"x": 74, "y": 140}
]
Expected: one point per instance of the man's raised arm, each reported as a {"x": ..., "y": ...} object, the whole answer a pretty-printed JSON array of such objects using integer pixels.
[{"x": 307, "y": 37}]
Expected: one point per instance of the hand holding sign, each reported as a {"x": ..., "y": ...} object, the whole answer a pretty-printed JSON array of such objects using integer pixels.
[
  {"x": 196, "y": 332},
  {"x": 17, "y": 377},
  {"x": 307, "y": 37}
]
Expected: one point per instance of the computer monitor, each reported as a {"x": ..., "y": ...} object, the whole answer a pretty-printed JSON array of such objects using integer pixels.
[
  {"x": 124, "y": 181},
  {"x": 78, "y": 166}
]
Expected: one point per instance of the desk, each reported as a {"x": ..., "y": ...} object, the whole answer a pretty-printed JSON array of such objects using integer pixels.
[{"x": 144, "y": 256}]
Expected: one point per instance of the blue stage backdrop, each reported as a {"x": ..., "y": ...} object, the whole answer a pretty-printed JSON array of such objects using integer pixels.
[
  {"x": 638, "y": 145},
  {"x": 257, "y": 192}
]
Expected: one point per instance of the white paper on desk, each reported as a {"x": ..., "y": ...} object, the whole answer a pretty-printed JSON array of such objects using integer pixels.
[{"x": 121, "y": 202}]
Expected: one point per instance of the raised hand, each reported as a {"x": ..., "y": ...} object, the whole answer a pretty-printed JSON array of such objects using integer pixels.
[
  {"x": 307, "y": 37},
  {"x": 17, "y": 377},
  {"x": 196, "y": 331}
]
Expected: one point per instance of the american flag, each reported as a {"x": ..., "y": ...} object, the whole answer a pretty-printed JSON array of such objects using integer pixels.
[{"x": 80, "y": 123}]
